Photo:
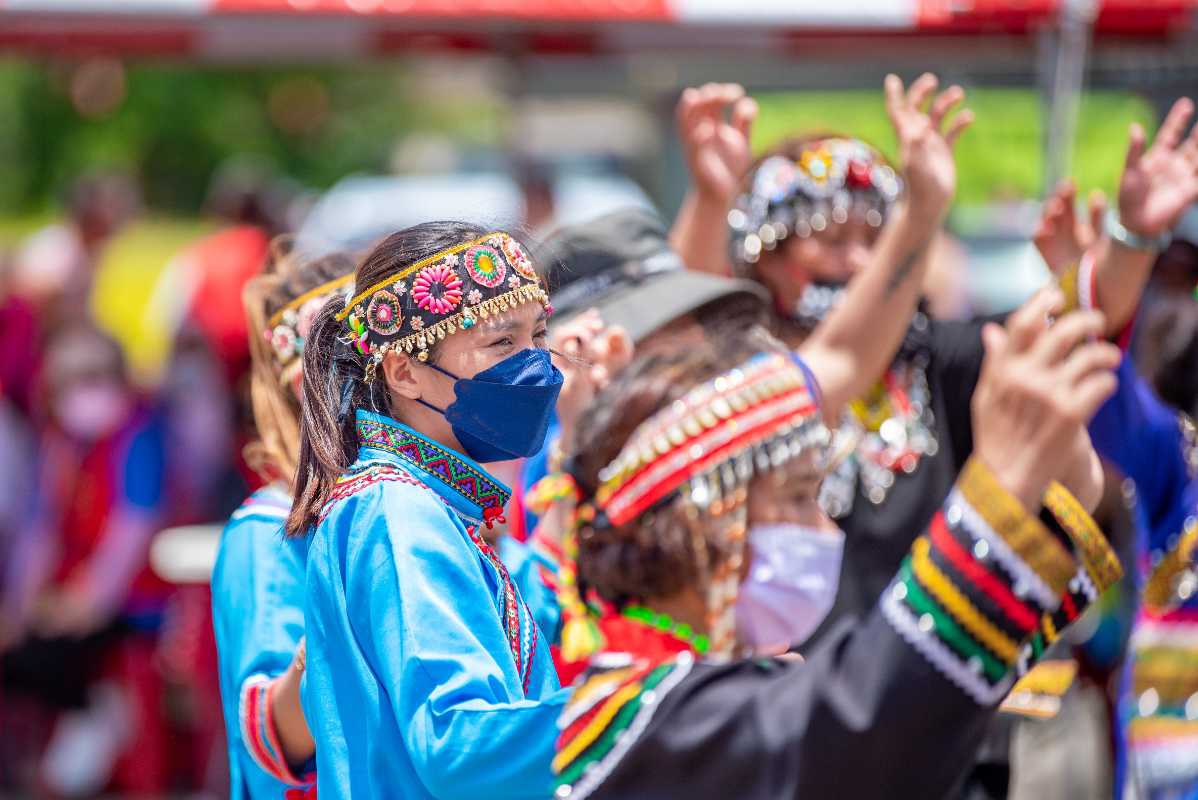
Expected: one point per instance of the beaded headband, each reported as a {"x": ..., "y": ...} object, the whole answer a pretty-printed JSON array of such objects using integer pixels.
[
  {"x": 288, "y": 328},
  {"x": 710, "y": 443},
  {"x": 439, "y": 295},
  {"x": 832, "y": 179}
]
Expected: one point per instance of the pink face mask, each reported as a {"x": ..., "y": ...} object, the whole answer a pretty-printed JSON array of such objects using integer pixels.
[
  {"x": 791, "y": 585},
  {"x": 89, "y": 411}
]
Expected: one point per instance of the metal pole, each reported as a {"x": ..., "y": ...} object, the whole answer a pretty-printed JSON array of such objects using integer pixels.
[{"x": 1069, "y": 73}]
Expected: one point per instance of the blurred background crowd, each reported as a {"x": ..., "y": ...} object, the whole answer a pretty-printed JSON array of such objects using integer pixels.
[{"x": 149, "y": 155}]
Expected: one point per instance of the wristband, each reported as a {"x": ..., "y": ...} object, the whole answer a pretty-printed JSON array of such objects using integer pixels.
[{"x": 1132, "y": 240}]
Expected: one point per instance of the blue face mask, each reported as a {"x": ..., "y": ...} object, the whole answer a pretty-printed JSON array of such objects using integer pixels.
[{"x": 503, "y": 412}]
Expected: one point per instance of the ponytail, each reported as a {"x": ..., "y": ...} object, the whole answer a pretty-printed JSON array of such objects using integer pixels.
[{"x": 333, "y": 390}]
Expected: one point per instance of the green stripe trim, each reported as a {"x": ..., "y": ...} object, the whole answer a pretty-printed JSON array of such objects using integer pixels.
[
  {"x": 607, "y": 740},
  {"x": 947, "y": 628}
]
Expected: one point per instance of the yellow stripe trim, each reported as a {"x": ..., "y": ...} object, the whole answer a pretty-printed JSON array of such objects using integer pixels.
[
  {"x": 421, "y": 264},
  {"x": 1050, "y": 630},
  {"x": 1159, "y": 591},
  {"x": 584, "y": 693},
  {"x": 1090, "y": 544},
  {"x": 958, "y": 604},
  {"x": 1023, "y": 532},
  {"x": 591, "y": 732},
  {"x": 1068, "y": 282},
  {"x": 324, "y": 288}
]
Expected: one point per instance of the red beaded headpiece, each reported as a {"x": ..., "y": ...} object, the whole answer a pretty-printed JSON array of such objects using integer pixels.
[{"x": 715, "y": 438}]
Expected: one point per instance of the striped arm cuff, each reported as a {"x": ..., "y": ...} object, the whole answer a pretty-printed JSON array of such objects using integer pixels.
[
  {"x": 1166, "y": 587},
  {"x": 988, "y": 587},
  {"x": 1078, "y": 285},
  {"x": 258, "y": 733}
]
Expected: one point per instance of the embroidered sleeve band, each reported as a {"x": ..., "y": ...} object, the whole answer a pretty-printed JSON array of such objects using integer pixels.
[
  {"x": 989, "y": 587},
  {"x": 606, "y": 715},
  {"x": 258, "y": 731}
]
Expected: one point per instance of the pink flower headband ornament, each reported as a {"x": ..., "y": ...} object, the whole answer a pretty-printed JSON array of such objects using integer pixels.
[
  {"x": 439, "y": 295},
  {"x": 832, "y": 179},
  {"x": 288, "y": 328}
]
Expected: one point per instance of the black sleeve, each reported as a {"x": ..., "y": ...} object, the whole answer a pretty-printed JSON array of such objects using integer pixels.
[
  {"x": 956, "y": 364},
  {"x": 865, "y": 716},
  {"x": 892, "y": 706}
]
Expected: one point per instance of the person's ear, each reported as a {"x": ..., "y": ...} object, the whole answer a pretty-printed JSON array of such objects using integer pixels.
[{"x": 400, "y": 374}]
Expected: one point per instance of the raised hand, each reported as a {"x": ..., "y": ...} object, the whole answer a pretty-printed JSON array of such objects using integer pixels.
[
  {"x": 714, "y": 123},
  {"x": 1061, "y": 235},
  {"x": 588, "y": 352},
  {"x": 925, "y": 141},
  {"x": 1160, "y": 182},
  {"x": 1039, "y": 387}
]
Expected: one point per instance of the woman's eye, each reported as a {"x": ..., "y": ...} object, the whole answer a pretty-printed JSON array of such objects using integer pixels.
[
  {"x": 503, "y": 341},
  {"x": 541, "y": 335}
]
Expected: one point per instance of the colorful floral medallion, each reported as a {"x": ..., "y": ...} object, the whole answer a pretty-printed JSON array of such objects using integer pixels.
[
  {"x": 383, "y": 314},
  {"x": 437, "y": 289},
  {"x": 288, "y": 328},
  {"x": 516, "y": 256},
  {"x": 485, "y": 266}
]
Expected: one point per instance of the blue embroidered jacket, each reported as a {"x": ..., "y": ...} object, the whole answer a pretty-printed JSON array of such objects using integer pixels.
[
  {"x": 426, "y": 676},
  {"x": 1158, "y": 708},
  {"x": 258, "y": 616}
]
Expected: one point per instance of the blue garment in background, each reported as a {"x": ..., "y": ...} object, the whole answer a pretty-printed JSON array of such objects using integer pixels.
[
  {"x": 1138, "y": 433},
  {"x": 258, "y": 615}
]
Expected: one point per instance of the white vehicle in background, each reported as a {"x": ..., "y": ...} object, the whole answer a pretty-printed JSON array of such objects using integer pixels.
[{"x": 360, "y": 210}]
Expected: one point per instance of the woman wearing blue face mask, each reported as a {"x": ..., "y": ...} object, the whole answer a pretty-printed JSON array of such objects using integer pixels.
[{"x": 426, "y": 674}]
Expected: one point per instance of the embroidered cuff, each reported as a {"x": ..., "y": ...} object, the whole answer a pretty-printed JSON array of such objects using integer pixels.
[
  {"x": 605, "y": 716},
  {"x": 1090, "y": 546},
  {"x": 980, "y": 593},
  {"x": 258, "y": 732},
  {"x": 999, "y": 517},
  {"x": 1078, "y": 285},
  {"x": 1163, "y": 591}
]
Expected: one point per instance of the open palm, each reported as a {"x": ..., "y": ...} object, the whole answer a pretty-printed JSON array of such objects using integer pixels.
[
  {"x": 714, "y": 124},
  {"x": 927, "y": 150},
  {"x": 1159, "y": 183}
]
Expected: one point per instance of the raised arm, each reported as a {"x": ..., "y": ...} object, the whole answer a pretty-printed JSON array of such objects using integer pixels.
[
  {"x": 894, "y": 705},
  {"x": 854, "y": 343},
  {"x": 1157, "y": 185},
  {"x": 714, "y": 125}
]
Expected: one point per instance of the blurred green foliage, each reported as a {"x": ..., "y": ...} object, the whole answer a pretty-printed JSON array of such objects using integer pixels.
[
  {"x": 177, "y": 123},
  {"x": 1000, "y": 157}
]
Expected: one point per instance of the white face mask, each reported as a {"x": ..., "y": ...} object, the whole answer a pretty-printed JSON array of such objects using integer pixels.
[
  {"x": 790, "y": 587},
  {"x": 89, "y": 411}
]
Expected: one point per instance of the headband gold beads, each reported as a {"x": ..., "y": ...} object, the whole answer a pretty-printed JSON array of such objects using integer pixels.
[
  {"x": 711, "y": 442},
  {"x": 437, "y": 296},
  {"x": 288, "y": 328}
]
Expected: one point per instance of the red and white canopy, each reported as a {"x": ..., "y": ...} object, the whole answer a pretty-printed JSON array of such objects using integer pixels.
[{"x": 266, "y": 29}]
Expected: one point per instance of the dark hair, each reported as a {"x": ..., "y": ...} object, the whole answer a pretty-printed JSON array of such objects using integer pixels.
[
  {"x": 655, "y": 554},
  {"x": 1168, "y": 351},
  {"x": 334, "y": 372},
  {"x": 287, "y": 276}
]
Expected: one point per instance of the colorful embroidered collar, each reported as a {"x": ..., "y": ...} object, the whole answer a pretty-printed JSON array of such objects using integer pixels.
[{"x": 462, "y": 482}]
